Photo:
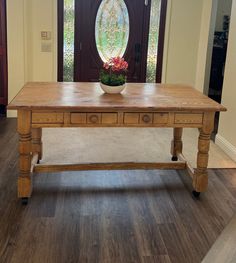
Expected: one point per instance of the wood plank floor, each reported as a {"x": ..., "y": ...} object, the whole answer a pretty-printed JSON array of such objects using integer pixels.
[
  {"x": 109, "y": 216},
  {"x": 224, "y": 249}
]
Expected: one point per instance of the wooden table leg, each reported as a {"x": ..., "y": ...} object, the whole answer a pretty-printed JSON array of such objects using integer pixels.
[
  {"x": 176, "y": 144},
  {"x": 37, "y": 145},
  {"x": 24, "y": 179},
  {"x": 200, "y": 177}
]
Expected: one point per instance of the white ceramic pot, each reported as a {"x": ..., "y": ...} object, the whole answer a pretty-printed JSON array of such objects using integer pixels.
[{"x": 112, "y": 89}]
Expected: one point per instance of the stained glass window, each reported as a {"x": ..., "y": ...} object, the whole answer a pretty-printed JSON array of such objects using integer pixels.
[
  {"x": 69, "y": 14},
  {"x": 112, "y": 29},
  {"x": 153, "y": 41}
]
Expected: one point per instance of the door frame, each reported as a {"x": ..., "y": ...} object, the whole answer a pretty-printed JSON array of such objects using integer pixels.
[
  {"x": 4, "y": 98},
  {"x": 60, "y": 40},
  {"x": 161, "y": 41},
  {"x": 160, "y": 49}
]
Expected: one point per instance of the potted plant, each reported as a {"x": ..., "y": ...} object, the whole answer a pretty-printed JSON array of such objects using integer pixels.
[{"x": 113, "y": 75}]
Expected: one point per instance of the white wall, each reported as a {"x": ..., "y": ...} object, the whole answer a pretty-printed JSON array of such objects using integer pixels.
[
  {"x": 41, "y": 16},
  {"x": 181, "y": 45},
  {"x": 25, "y": 20},
  {"x": 15, "y": 41},
  {"x": 226, "y": 137},
  {"x": 205, "y": 44}
]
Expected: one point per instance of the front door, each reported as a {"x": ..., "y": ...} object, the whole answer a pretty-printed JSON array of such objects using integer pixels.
[
  {"x": 92, "y": 31},
  {"x": 3, "y": 54},
  {"x": 108, "y": 28}
]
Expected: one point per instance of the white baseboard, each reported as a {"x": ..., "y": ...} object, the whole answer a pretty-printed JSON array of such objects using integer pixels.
[
  {"x": 11, "y": 114},
  {"x": 226, "y": 146}
]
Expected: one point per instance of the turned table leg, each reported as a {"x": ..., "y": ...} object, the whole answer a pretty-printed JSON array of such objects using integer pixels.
[
  {"x": 200, "y": 177},
  {"x": 25, "y": 177},
  {"x": 176, "y": 144},
  {"x": 37, "y": 145}
]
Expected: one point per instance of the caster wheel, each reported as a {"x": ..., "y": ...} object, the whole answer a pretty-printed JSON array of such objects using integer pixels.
[
  {"x": 24, "y": 200},
  {"x": 196, "y": 194},
  {"x": 174, "y": 158}
]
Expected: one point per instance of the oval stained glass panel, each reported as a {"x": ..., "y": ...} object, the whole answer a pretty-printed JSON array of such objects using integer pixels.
[{"x": 112, "y": 29}]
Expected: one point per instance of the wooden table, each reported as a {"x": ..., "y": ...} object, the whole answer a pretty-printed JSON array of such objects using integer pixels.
[{"x": 42, "y": 105}]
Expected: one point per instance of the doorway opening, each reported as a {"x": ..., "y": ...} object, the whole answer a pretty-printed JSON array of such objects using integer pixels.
[
  {"x": 90, "y": 32},
  {"x": 218, "y": 54}
]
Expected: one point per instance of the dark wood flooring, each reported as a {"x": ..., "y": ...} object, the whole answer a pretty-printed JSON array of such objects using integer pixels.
[{"x": 109, "y": 216}]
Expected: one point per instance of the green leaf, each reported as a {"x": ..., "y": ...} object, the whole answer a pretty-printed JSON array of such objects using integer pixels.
[{"x": 112, "y": 79}]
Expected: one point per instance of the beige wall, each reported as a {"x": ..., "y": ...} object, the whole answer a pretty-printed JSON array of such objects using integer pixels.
[
  {"x": 181, "y": 46},
  {"x": 15, "y": 40},
  {"x": 205, "y": 44},
  {"x": 40, "y": 15},
  {"x": 227, "y": 130},
  {"x": 26, "y": 62}
]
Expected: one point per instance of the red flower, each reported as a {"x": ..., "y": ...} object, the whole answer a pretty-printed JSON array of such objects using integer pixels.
[
  {"x": 106, "y": 65},
  {"x": 116, "y": 64}
]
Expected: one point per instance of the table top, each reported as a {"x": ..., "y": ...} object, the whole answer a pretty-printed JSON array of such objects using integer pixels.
[{"x": 89, "y": 96}]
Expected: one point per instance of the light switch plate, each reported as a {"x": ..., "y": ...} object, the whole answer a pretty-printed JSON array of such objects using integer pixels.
[
  {"x": 46, "y": 35},
  {"x": 46, "y": 47}
]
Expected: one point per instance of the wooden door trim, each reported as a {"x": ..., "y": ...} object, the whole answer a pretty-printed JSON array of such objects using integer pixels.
[
  {"x": 78, "y": 39},
  {"x": 145, "y": 37},
  {"x": 60, "y": 39},
  {"x": 160, "y": 50},
  {"x": 4, "y": 98}
]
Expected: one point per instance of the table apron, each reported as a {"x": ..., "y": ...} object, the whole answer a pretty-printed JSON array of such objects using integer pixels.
[{"x": 40, "y": 119}]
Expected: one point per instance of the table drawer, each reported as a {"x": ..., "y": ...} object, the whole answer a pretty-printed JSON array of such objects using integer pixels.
[
  {"x": 131, "y": 118},
  {"x": 109, "y": 118},
  {"x": 161, "y": 118},
  {"x": 146, "y": 118},
  {"x": 94, "y": 118},
  {"x": 78, "y": 118},
  {"x": 188, "y": 118},
  {"x": 138, "y": 118},
  {"x": 47, "y": 117}
]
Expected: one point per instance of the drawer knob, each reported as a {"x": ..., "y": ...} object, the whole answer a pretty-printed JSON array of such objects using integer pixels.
[
  {"x": 93, "y": 118},
  {"x": 146, "y": 118}
]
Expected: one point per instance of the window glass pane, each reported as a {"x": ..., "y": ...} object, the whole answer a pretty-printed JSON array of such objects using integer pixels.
[
  {"x": 112, "y": 29},
  {"x": 69, "y": 14},
  {"x": 153, "y": 41}
]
